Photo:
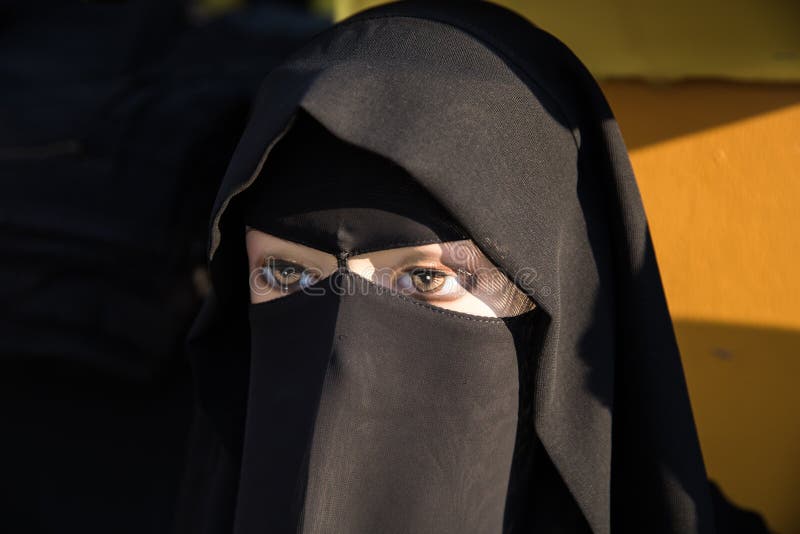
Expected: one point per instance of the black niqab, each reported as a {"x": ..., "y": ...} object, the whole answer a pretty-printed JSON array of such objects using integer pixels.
[
  {"x": 370, "y": 410},
  {"x": 505, "y": 128}
]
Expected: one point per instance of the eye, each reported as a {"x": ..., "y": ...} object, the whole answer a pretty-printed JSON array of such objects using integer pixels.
[
  {"x": 430, "y": 284},
  {"x": 287, "y": 275}
]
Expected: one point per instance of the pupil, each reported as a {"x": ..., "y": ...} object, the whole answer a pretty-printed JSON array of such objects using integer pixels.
[
  {"x": 285, "y": 274},
  {"x": 427, "y": 281},
  {"x": 288, "y": 275}
]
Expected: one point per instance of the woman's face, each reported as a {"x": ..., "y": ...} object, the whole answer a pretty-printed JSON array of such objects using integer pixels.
[
  {"x": 379, "y": 377},
  {"x": 453, "y": 275}
]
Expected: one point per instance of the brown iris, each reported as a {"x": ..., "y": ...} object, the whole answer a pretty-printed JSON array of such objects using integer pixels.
[
  {"x": 282, "y": 273},
  {"x": 427, "y": 280}
]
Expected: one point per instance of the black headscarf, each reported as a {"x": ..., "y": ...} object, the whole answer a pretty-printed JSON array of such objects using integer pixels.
[{"x": 506, "y": 129}]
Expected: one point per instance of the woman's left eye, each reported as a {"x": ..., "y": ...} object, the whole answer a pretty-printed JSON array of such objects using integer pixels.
[{"x": 426, "y": 283}]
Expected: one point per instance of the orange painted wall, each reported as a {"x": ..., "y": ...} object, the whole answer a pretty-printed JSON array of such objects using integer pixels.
[{"x": 718, "y": 165}]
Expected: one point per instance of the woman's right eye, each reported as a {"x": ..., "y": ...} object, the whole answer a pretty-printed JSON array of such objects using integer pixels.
[{"x": 287, "y": 275}]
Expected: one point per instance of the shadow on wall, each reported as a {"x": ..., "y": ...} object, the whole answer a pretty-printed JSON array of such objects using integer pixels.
[
  {"x": 654, "y": 112},
  {"x": 733, "y": 520},
  {"x": 743, "y": 386}
]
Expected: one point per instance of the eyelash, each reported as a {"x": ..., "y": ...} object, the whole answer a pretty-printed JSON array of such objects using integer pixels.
[
  {"x": 451, "y": 288},
  {"x": 307, "y": 275},
  {"x": 456, "y": 283}
]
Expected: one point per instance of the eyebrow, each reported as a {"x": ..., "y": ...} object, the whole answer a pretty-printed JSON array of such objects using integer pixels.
[
  {"x": 290, "y": 251},
  {"x": 417, "y": 255},
  {"x": 447, "y": 256}
]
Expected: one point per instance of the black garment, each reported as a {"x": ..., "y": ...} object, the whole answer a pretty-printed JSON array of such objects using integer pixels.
[
  {"x": 370, "y": 412},
  {"x": 117, "y": 120},
  {"x": 505, "y": 128}
]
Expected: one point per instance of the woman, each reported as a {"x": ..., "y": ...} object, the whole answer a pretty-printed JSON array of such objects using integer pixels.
[{"x": 453, "y": 320}]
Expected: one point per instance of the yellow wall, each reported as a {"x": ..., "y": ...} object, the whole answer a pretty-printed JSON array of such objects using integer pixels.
[
  {"x": 743, "y": 39},
  {"x": 718, "y": 165}
]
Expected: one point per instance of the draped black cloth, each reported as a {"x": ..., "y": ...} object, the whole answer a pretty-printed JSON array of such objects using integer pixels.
[{"x": 507, "y": 130}]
